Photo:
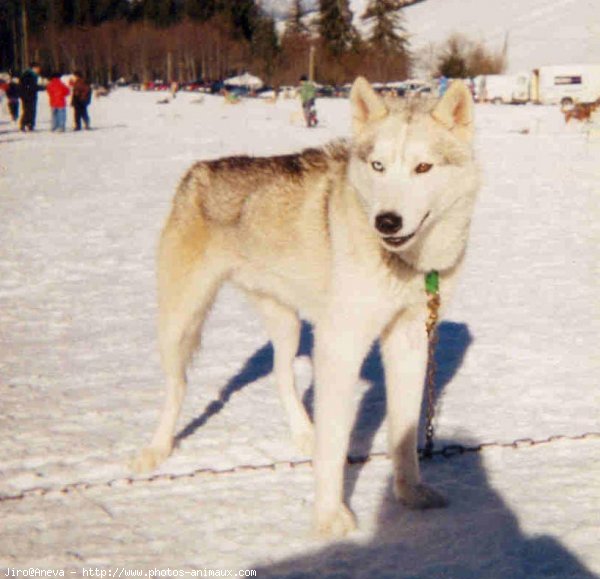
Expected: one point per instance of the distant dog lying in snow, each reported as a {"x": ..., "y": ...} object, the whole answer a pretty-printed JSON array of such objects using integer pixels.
[{"x": 581, "y": 111}]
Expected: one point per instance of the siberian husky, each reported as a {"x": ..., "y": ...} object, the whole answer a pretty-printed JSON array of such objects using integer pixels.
[{"x": 342, "y": 235}]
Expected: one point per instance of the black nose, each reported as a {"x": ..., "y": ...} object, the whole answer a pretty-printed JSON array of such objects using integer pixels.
[{"x": 388, "y": 223}]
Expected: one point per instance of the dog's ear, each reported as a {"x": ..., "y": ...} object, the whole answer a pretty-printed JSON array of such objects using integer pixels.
[
  {"x": 455, "y": 111},
  {"x": 365, "y": 104}
]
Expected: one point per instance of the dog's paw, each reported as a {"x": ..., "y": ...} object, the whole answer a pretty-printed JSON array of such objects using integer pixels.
[
  {"x": 304, "y": 440},
  {"x": 149, "y": 459},
  {"x": 334, "y": 525},
  {"x": 419, "y": 496}
]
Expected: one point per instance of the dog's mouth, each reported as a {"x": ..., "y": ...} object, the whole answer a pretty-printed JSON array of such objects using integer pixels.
[{"x": 400, "y": 240}]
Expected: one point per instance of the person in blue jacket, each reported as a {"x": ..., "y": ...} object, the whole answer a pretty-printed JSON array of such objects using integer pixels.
[{"x": 443, "y": 85}]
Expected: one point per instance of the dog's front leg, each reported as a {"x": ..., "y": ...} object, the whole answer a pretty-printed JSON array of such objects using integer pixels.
[
  {"x": 339, "y": 351},
  {"x": 404, "y": 348}
]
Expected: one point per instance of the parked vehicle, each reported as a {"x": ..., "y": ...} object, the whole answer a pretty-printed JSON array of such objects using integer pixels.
[
  {"x": 216, "y": 87},
  {"x": 238, "y": 91},
  {"x": 267, "y": 89},
  {"x": 342, "y": 91},
  {"x": 566, "y": 84},
  {"x": 193, "y": 86},
  {"x": 325, "y": 91},
  {"x": 503, "y": 88}
]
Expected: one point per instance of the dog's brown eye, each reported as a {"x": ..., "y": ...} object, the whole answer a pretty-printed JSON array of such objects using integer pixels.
[
  {"x": 423, "y": 167},
  {"x": 377, "y": 166}
]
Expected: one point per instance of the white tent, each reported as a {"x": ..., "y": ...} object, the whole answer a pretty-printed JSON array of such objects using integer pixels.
[{"x": 245, "y": 79}]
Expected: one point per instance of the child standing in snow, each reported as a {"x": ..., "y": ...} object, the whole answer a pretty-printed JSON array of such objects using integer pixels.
[
  {"x": 308, "y": 93},
  {"x": 57, "y": 93}
]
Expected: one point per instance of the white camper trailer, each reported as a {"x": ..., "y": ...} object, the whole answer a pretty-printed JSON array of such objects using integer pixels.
[
  {"x": 566, "y": 84},
  {"x": 503, "y": 88}
]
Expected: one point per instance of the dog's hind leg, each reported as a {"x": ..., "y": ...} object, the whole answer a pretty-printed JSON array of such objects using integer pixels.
[
  {"x": 283, "y": 327},
  {"x": 187, "y": 283}
]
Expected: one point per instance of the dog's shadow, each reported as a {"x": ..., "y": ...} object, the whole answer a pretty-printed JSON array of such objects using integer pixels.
[
  {"x": 476, "y": 537},
  {"x": 454, "y": 339},
  {"x": 257, "y": 366}
]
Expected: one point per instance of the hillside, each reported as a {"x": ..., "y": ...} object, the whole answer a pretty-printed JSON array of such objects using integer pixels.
[{"x": 539, "y": 32}]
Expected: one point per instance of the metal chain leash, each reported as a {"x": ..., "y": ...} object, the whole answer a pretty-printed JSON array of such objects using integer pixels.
[
  {"x": 432, "y": 288},
  {"x": 447, "y": 452}
]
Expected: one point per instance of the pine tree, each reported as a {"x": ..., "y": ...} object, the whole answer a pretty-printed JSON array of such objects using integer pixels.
[
  {"x": 335, "y": 26},
  {"x": 295, "y": 24},
  {"x": 387, "y": 32},
  {"x": 10, "y": 40},
  {"x": 161, "y": 12},
  {"x": 82, "y": 10},
  {"x": 242, "y": 14},
  {"x": 202, "y": 10},
  {"x": 387, "y": 47},
  {"x": 265, "y": 45},
  {"x": 105, "y": 10}
]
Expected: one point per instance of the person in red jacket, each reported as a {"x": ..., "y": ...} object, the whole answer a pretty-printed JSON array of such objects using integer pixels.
[{"x": 58, "y": 93}]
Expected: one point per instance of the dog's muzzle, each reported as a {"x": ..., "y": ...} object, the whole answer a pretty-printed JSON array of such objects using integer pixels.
[{"x": 396, "y": 241}]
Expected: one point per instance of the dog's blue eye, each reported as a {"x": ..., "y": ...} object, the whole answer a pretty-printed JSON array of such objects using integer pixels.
[
  {"x": 423, "y": 167},
  {"x": 377, "y": 166}
]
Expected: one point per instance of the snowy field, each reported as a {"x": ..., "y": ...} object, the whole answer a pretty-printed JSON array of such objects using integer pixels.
[{"x": 81, "y": 387}]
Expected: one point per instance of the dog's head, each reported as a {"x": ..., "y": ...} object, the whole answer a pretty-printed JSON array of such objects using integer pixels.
[{"x": 409, "y": 160}]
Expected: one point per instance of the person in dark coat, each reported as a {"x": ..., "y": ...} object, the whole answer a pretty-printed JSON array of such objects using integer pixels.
[
  {"x": 28, "y": 89},
  {"x": 82, "y": 96},
  {"x": 13, "y": 93}
]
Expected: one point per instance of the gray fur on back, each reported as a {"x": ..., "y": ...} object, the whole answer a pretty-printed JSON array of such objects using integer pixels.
[{"x": 221, "y": 187}]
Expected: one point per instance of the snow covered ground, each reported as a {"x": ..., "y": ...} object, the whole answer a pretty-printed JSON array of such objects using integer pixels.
[{"x": 81, "y": 387}]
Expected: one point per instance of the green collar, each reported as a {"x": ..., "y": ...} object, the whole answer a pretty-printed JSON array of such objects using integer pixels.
[{"x": 432, "y": 282}]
